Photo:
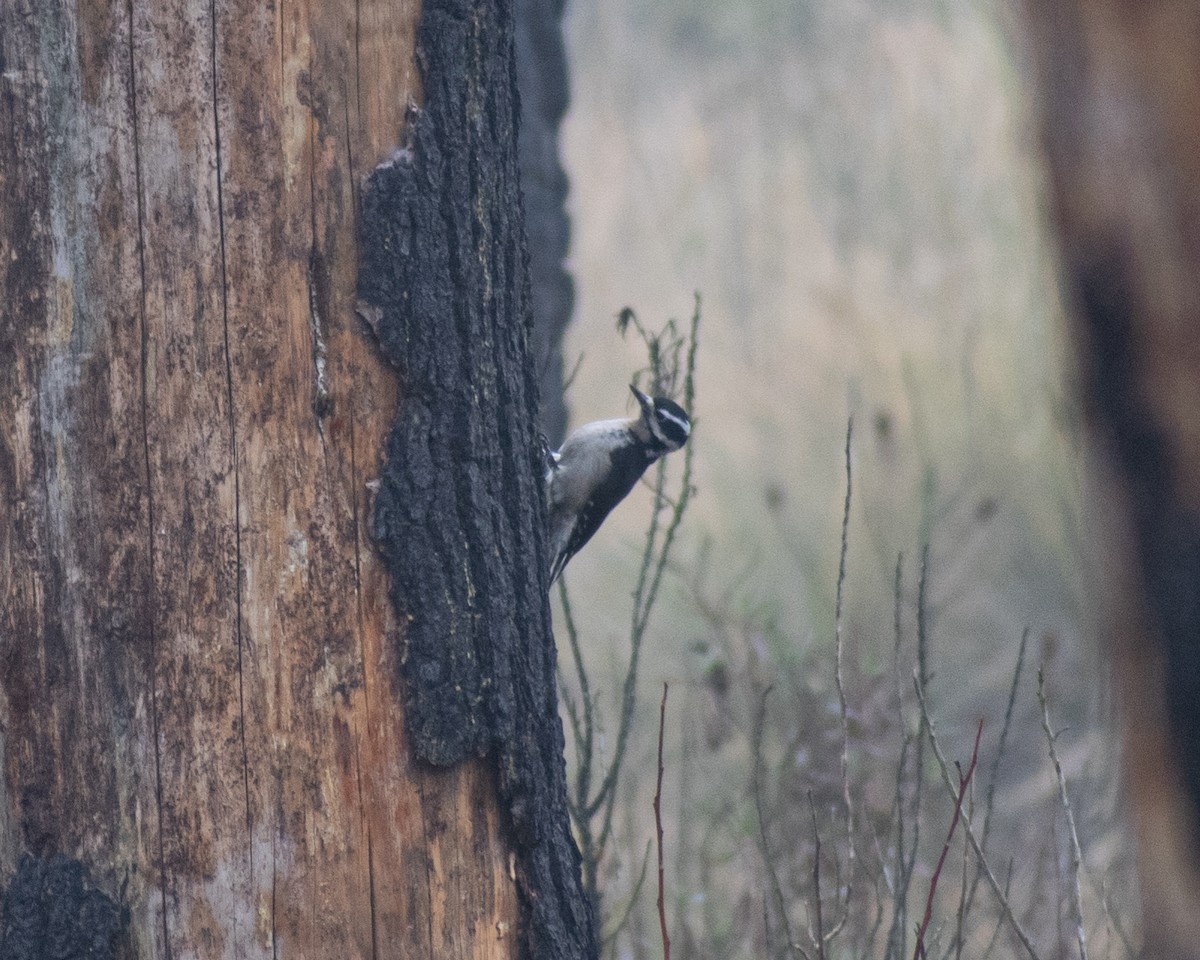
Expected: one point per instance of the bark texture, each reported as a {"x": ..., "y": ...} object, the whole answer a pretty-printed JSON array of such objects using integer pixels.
[
  {"x": 200, "y": 676},
  {"x": 1121, "y": 94},
  {"x": 459, "y": 513}
]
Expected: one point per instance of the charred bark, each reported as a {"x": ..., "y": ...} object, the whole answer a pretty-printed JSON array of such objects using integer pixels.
[
  {"x": 458, "y": 515},
  {"x": 50, "y": 910}
]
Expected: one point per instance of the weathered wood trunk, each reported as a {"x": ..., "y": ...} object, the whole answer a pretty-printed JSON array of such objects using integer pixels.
[
  {"x": 1120, "y": 84},
  {"x": 203, "y": 686}
]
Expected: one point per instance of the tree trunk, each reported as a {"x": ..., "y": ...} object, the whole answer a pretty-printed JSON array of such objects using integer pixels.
[
  {"x": 542, "y": 81},
  {"x": 205, "y": 747},
  {"x": 1121, "y": 97}
]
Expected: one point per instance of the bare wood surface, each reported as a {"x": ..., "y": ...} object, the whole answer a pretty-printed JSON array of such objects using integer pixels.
[{"x": 199, "y": 689}]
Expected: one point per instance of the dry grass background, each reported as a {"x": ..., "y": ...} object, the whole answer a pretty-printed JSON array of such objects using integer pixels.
[{"x": 855, "y": 190}]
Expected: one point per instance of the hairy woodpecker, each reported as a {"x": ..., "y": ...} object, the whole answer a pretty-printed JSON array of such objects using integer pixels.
[{"x": 598, "y": 465}]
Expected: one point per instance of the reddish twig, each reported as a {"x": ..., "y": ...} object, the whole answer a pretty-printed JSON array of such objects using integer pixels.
[
  {"x": 662, "y": 910},
  {"x": 964, "y": 781}
]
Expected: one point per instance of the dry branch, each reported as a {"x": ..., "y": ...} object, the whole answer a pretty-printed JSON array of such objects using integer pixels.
[
  {"x": 944, "y": 769},
  {"x": 658, "y": 829},
  {"x": 964, "y": 781},
  {"x": 1076, "y": 852}
]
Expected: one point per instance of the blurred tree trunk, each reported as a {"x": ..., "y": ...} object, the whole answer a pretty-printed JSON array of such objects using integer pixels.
[
  {"x": 543, "y": 83},
  {"x": 1120, "y": 84},
  {"x": 206, "y": 738}
]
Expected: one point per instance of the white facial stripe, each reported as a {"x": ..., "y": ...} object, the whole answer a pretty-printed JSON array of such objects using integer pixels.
[{"x": 682, "y": 424}]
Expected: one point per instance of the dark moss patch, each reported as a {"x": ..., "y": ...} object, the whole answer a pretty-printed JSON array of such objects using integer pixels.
[{"x": 51, "y": 913}]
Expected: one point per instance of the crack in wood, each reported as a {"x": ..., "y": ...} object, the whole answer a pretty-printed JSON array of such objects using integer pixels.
[
  {"x": 322, "y": 402},
  {"x": 371, "y": 893},
  {"x": 233, "y": 438},
  {"x": 151, "y": 560}
]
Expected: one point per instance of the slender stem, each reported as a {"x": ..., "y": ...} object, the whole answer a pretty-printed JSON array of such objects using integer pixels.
[
  {"x": 658, "y": 829},
  {"x": 943, "y": 767},
  {"x": 1076, "y": 850},
  {"x": 818, "y": 936},
  {"x": 645, "y": 596},
  {"x": 851, "y": 854},
  {"x": 993, "y": 773},
  {"x": 898, "y": 932},
  {"x": 964, "y": 781},
  {"x": 590, "y": 800},
  {"x": 768, "y": 862},
  {"x": 586, "y": 746}
]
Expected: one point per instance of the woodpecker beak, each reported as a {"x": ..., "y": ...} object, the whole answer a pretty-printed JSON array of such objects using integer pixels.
[{"x": 644, "y": 401}]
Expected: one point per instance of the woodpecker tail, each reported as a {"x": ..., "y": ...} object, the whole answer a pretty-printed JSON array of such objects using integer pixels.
[{"x": 556, "y": 568}]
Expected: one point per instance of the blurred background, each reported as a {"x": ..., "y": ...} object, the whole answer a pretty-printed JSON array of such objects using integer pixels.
[{"x": 855, "y": 191}]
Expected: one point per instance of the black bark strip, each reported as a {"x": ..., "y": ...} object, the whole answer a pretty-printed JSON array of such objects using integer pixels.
[
  {"x": 49, "y": 911},
  {"x": 459, "y": 516}
]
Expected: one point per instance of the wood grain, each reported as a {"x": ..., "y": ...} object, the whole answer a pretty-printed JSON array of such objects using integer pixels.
[{"x": 199, "y": 695}]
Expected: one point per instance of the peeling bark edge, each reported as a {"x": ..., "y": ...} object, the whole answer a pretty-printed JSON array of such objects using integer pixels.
[
  {"x": 459, "y": 517},
  {"x": 50, "y": 911}
]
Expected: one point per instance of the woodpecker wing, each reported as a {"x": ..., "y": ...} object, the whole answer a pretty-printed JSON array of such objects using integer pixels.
[{"x": 627, "y": 466}]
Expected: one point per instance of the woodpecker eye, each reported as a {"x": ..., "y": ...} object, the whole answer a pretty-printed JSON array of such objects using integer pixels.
[{"x": 672, "y": 421}]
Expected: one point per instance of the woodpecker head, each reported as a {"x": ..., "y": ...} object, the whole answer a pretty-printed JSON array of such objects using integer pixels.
[{"x": 665, "y": 420}]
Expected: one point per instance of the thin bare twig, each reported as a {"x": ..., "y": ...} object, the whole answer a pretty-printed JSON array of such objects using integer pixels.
[
  {"x": 851, "y": 854},
  {"x": 594, "y": 789},
  {"x": 583, "y": 733},
  {"x": 943, "y": 767},
  {"x": 818, "y": 935},
  {"x": 898, "y": 938},
  {"x": 570, "y": 377},
  {"x": 880, "y": 881},
  {"x": 994, "y": 770},
  {"x": 766, "y": 926},
  {"x": 584, "y": 740},
  {"x": 654, "y": 558},
  {"x": 898, "y": 931},
  {"x": 1076, "y": 851},
  {"x": 1110, "y": 914},
  {"x": 1000, "y": 920},
  {"x": 964, "y": 781},
  {"x": 962, "y": 890},
  {"x": 922, "y": 725},
  {"x": 615, "y": 930},
  {"x": 772, "y": 875},
  {"x": 658, "y": 830}
]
